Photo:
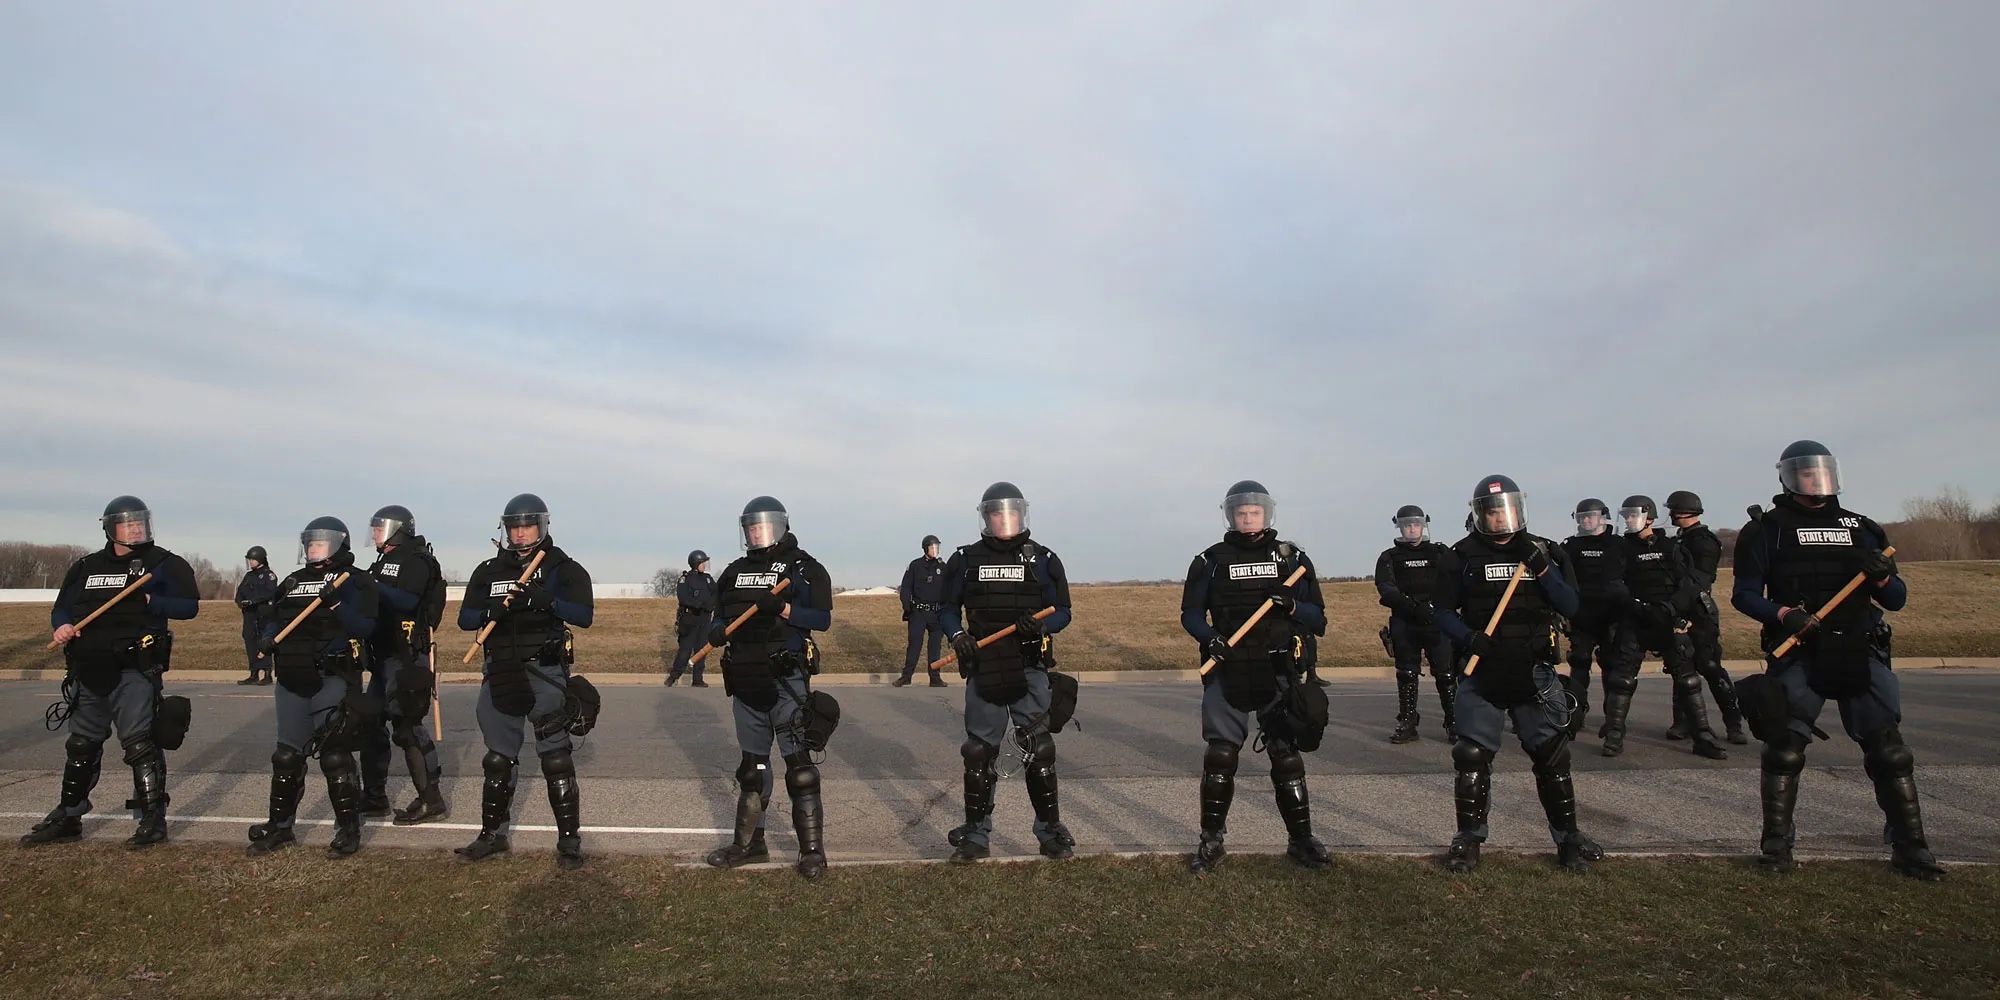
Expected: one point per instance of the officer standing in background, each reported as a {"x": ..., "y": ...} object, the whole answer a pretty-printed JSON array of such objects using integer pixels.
[
  {"x": 1515, "y": 677},
  {"x": 1789, "y": 563},
  {"x": 922, "y": 593},
  {"x": 1597, "y": 560},
  {"x": 318, "y": 664},
  {"x": 113, "y": 667},
  {"x": 767, "y": 668},
  {"x": 254, "y": 594},
  {"x": 694, "y": 601},
  {"x": 409, "y": 591},
  {"x": 1662, "y": 591},
  {"x": 1003, "y": 579},
  {"x": 528, "y": 656},
  {"x": 1226, "y": 584},
  {"x": 1405, "y": 576},
  {"x": 1704, "y": 557}
]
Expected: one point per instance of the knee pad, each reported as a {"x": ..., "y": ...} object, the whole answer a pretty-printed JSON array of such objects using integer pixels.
[
  {"x": 557, "y": 762},
  {"x": 750, "y": 773},
  {"x": 1220, "y": 758},
  {"x": 141, "y": 750},
  {"x": 404, "y": 734},
  {"x": 801, "y": 779},
  {"x": 80, "y": 747},
  {"x": 336, "y": 763},
  {"x": 1469, "y": 756},
  {"x": 1287, "y": 764},
  {"x": 1620, "y": 680},
  {"x": 978, "y": 754},
  {"x": 286, "y": 759},
  {"x": 497, "y": 765},
  {"x": 1039, "y": 750},
  {"x": 1886, "y": 751},
  {"x": 1551, "y": 757},
  {"x": 1786, "y": 754},
  {"x": 1688, "y": 681}
]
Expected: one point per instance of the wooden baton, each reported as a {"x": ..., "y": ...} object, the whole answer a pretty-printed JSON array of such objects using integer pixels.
[
  {"x": 749, "y": 612},
  {"x": 1827, "y": 608},
  {"x": 106, "y": 606},
  {"x": 487, "y": 629},
  {"x": 1520, "y": 573},
  {"x": 951, "y": 658}
]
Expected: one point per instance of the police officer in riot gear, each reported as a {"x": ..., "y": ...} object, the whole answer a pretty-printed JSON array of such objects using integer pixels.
[
  {"x": 1662, "y": 595},
  {"x": 1597, "y": 560},
  {"x": 409, "y": 590},
  {"x": 1226, "y": 584},
  {"x": 319, "y": 666},
  {"x": 253, "y": 597},
  {"x": 922, "y": 593},
  {"x": 1003, "y": 579},
  {"x": 766, "y": 671},
  {"x": 1703, "y": 553},
  {"x": 1405, "y": 575},
  {"x": 1515, "y": 676},
  {"x": 1789, "y": 563},
  {"x": 113, "y": 667},
  {"x": 694, "y": 600},
  {"x": 527, "y": 672}
]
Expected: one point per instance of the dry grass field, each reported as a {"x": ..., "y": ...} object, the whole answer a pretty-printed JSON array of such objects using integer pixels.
[{"x": 1954, "y": 611}]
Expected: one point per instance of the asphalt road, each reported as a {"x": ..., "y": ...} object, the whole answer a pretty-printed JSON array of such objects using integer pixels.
[{"x": 656, "y": 776}]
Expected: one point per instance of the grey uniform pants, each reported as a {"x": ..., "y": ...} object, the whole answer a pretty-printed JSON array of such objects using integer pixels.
[
  {"x": 757, "y": 730},
  {"x": 987, "y": 723}
]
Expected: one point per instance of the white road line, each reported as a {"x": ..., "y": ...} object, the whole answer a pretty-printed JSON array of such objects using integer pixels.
[{"x": 518, "y": 827}]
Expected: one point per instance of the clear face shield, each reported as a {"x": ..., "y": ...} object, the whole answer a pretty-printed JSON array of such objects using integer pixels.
[
  {"x": 1590, "y": 522},
  {"x": 1413, "y": 529},
  {"x": 130, "y": 528},
  {"x": 1500, "y": 514},
  {"x": 1811, "y": 476},
  {"x": 763, "y": 529},
  {"x": 1636, "y": 519},
  {"x": 384, "y": 531},
  {"x": 1003, "y": 519},
  {"x": 317, "y": 545},
  {"x": 525, "y": 531}
]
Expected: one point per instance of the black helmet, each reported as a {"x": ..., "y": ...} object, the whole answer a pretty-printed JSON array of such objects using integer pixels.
[
  {"x": 1638, "y": 505},
  {"x": 929, "y": 540},
  {"x": 1501, "y": 494},
  {"x": 1410, "y": 515},
  {"x": 328, "y": 529},
  {"x": 257, "y": 552},
  {"x": 1808, "y": 469},
  {"x": 1249, "y": 493},
  {"x": 521, "y": 511},
  {"x": 1003, "y": 502},
  {"x": 696, "y": 558},
  {"x": 397, "y": 524},
  {"x": 768, "y": 513},
  {"x": 1593, "y": 509},
  {"x": 125, "y": 510},
  {"x": 1684, "y": 502}
]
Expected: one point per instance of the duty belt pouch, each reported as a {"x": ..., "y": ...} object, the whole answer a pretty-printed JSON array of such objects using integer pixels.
[
  {"x": 583, "y": 704},
  {"x": 1249, "y": 678},
  {"x": 1062, "y": 700},
  {"x": 1507, "y": 678},
  {"x": 1837, "y": 661},
  {"x": 822, "y": 718},
  {"x": 811, "y": 657},
  {"x": 171, "y": 720},
  {"x": 559, "y": 651},
  {"x": 507, "y": 684},
  {"x": 1300, "y": 717},
  {"x": 1388, "y": 642},
  {"x": 161, "y": 651}
]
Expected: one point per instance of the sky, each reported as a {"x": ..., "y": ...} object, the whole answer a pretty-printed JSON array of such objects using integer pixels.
[{"x": 260, "y": 263}]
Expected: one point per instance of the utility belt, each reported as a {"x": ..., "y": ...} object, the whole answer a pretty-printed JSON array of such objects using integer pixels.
[
  {"x": 926, "y": 608},
  {"x": 753, "y": 678},
  {"x": 98, "y": 668},
  {"x": 304, "y": 675},
  {"x": 411, "y": 638}
]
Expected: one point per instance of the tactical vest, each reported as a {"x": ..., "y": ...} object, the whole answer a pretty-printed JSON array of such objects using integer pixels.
[
  {"x": 398, "y": 632},
  {"x": 1649, "y": 568},
  {"x": 1814, "y": 554},
  {"x": 1415, "y": 568},
  {"x": 1486, "y": 574},
  {"x": 1594, "y": 558},
  {"x": 103, "y": 576},
  {"x": 748, "y": 670},
  {"x": 524, "y": 636},
  {"x": 319, "y": 645},
  {"x": 1241, "y": 577},
  {"x": 1001, "y": 586}
]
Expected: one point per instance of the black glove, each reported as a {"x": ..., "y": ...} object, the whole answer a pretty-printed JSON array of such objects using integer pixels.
[
  {"x": 769, "y": 603},
  {"x": 718, "y": 635},
  {"x": 1217, "y": 648},
  {"x": 497, "y": 609},
  {"x": 1532, "y": 553},
  {"x": 534, "y": 597},
  {"x": 966, "y": 648},
  {"x": 1028, "y": 627},
  {"x": 267, "y": 645},
  {"x": 1877, "y": 566},
  {"x": 1281, "y": 602},
  {"x": 1482, "y": 645},
  {"x": 1797, "y": 621},
  {"x": 1417, "y": 611}
]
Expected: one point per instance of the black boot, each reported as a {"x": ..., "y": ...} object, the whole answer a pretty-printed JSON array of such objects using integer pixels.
[
  {"x": 1893, "y": 768},
  {"x": 1778, "y": 787},
  {"x": 1557, "y": 790},
  {"x": 566, "y": 803},
  {"x": 1472, "y": 789},
  {"x": 496, "y": 808},
  {"x": 1447, "y": 689},
  {"x": 1617, "y": 704},
  {"x": 1689, "y": 707},
  {"x": 1218, "y": 788},
  {"x": 429, "y": 803},
  {"x": 83, "y": 760},
  {"x": 808, "y": 818},
  {"x": 288, "y": 782},
  {"x": 979, "y": 782},
  {"x": 748, "y": 845},
  {"x": 1288, "y": 783},
  {"x": 149, "y": 780},
  {"x": 1406, "y": 709},
  {"x": 1040, "y": 776},
  {"x": 937, "y": 680},
  {"x": 1724, "y": 690},
  {"x": 343, "y": 790}
]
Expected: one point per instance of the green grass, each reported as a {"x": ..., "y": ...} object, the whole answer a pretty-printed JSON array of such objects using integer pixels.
[{"x": 201, "y": 920}]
